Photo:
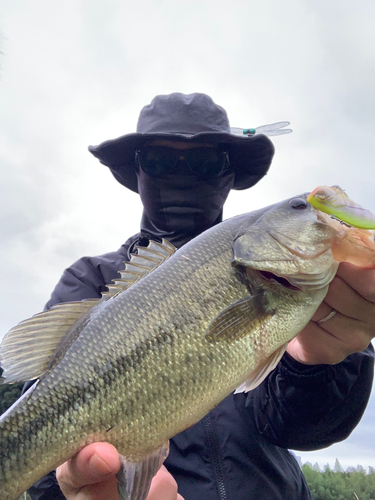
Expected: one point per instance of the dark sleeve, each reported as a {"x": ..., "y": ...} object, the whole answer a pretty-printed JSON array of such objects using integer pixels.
[
  {"x": 311, "y": 407},
  {"x": 87, "y": 278},
  {"x": 46, "y": 488}
]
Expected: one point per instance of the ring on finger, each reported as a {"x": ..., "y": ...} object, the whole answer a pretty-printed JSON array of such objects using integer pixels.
[{"x": 329, "y": 316}]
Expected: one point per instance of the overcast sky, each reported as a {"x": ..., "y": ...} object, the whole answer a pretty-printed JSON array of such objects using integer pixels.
[{"x": 78, "y": 72}]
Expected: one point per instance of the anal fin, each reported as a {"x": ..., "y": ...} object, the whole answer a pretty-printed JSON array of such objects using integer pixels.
[{"x": 134, "y": 478}]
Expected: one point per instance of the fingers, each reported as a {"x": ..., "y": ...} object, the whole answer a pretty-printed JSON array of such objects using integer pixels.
[
  {"x": 347, "y": 301},
  {"x": 163, "y": 487},
  {"x": 354, "y": 323},
  {"x": 351, "y": 294},
  {"x": 316, "y": 346},
  {"x": 361, "y": 280},
  {"x": 91, "y": 474}
]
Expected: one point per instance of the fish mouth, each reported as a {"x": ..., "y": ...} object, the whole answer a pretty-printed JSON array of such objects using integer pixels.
[
  {"x": 293, "y": 282},
  {"x": 261, "y": 276},
  {"x": 271, "y": 277}
]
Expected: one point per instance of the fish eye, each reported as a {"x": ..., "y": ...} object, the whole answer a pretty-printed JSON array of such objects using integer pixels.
[{"x": 298, "y": 203}]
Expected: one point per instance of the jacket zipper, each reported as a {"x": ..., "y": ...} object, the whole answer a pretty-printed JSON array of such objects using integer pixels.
[{"x": 216, "y": 458}]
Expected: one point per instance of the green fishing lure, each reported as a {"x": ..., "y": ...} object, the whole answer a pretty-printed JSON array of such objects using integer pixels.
[{"x": 333, "y": 201}]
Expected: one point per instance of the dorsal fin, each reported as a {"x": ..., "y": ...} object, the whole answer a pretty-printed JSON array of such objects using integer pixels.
[
  {"x": 28, "y": 348},
  {"x": 141, "y": 263}
]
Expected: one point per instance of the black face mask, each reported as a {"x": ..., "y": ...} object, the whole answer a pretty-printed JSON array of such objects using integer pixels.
[{"x": 181, "y": 205}]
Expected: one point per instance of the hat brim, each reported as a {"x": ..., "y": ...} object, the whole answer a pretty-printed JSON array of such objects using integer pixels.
[{"x": 249, "y": 156}]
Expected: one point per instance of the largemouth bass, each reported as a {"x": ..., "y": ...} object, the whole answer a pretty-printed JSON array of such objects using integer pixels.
[{"x": 215, "y": 316}]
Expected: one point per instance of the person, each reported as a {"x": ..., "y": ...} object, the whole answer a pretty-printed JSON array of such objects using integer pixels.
[{"x": 183, "y": 161}]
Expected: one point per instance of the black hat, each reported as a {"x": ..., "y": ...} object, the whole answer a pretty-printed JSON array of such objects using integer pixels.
[{"x": 191, "y": 118}]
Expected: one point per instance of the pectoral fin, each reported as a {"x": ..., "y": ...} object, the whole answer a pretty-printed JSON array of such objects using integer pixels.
[
  {"x": 261, "y": 372},
  {"x": 134, "y": 478},
  {"x": 239, "y": 319}
]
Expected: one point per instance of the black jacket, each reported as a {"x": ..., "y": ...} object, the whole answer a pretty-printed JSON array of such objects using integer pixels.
[{"x": 239, "y": 451}]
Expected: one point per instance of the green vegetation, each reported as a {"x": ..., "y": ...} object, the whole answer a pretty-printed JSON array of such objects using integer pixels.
[
  {"x": 8, "y": 395},
  {"x": 337, "y": 484}
]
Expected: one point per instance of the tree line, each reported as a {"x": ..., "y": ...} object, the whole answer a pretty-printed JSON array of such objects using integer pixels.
[{"x": 337, "y": 484}]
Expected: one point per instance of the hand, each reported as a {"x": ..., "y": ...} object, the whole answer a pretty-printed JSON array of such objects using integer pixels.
[
  {"x": 91, "y": 475},
  {"x": 352, "y": 295}
]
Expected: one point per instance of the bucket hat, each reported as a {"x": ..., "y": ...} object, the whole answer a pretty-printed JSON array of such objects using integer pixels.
[{"x": 189, "y": 118}]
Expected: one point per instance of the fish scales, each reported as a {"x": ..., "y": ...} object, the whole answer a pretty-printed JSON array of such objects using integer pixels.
[
  {"x": 157, "y": 343},
  {"x": 143, "y": 368}
]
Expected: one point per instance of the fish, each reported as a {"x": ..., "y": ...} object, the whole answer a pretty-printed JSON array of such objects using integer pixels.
[
  {"x": 173, "y": 336},
  {"x": 355, "y": 242}
]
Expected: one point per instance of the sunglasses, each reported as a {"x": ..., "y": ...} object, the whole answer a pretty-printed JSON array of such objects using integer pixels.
[{"x": 161, "y": 160}]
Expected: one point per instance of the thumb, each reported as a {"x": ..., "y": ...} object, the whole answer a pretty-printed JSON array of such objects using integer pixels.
[{"x": 96, "y": 463}]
